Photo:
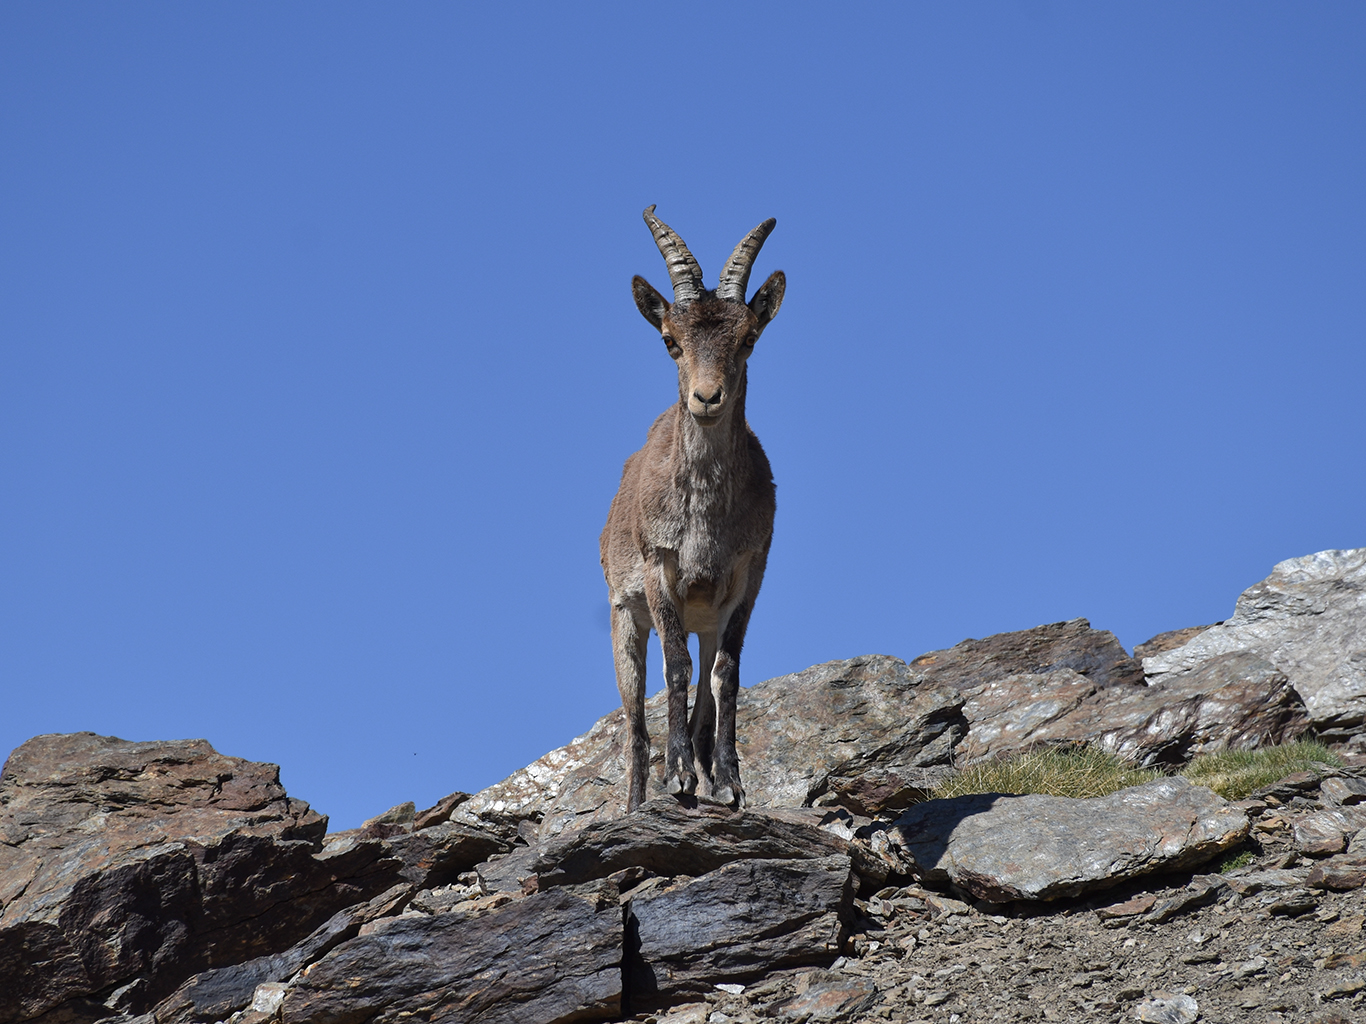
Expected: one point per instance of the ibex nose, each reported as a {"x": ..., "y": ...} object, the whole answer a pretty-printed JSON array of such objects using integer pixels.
[{"x": 711, "y": 399}]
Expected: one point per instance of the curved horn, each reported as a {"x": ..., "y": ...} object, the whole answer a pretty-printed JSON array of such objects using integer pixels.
[
  {"x": 684, "y": 272},
  {"x": 735, "y": 274}
]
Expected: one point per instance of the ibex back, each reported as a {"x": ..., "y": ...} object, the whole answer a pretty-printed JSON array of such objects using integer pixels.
[{"x": 688, "y": 533}]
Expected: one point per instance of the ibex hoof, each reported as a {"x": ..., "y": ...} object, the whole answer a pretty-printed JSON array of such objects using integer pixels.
[
  {"x": 685, "y": 784},
  {"x": 734, "y": 796}
]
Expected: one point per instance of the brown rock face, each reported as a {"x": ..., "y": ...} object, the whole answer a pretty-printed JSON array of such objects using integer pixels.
[
  {"x": 1093, "y": 653},
  {"x": 137, "y": 864}
]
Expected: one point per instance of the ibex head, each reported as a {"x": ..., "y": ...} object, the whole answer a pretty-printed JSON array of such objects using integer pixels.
[{"x": 709, "y": 334}]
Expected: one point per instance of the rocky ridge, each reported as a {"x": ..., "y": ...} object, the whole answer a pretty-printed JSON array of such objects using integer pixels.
[{"x": 161, "y": 883}]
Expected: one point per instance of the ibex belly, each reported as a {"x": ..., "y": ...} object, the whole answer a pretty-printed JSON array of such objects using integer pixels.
[
  {"x": 708, "y": 602},
  {"x": 699, "y": 607}
]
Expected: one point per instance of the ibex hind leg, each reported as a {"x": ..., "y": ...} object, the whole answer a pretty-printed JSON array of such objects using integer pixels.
[
  {"x": 725, "y": 681},
  {"x": 702, "y": 724},
  {"x": 679, "y": 771},
  {"x": 629, "y": 644}
]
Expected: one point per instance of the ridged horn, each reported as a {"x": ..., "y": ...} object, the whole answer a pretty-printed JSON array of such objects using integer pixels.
[
  {"x": 735, "y": 274},
  {"x": 684, "y": 272}
]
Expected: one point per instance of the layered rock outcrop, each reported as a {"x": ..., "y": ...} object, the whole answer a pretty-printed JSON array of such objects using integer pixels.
[
  {"x": 125, "y": 867},
  {"x": 165, "y": 883}
]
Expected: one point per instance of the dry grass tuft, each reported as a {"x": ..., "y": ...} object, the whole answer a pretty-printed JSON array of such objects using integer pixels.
[
  {"x": 1234, "y": 774},
  {"x": 1077, "y": 772}
]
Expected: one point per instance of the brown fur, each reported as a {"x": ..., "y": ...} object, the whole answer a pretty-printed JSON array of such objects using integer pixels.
[{"x": 687, "y": 539}]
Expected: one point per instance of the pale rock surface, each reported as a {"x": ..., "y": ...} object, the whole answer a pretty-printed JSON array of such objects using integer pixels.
[{"x": 1308, "y": 619}]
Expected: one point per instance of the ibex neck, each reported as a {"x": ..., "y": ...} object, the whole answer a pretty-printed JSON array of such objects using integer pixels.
[{"x": 700, "y": 448}]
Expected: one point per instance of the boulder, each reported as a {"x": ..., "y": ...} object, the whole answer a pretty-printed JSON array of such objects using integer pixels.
[
  {"x": 1021, "y": 710},
  {"x": 794, "y": 733},
  {"x": 1232, "y": 701},
  {"x": 127, "y": 867},
  {"x": 666, "y": 838},
  {"x": 1002, "y": 848},
  {"x": 1329, "y": 831},
  {"x": 1343, "y": 792},
  {"x": 551, "y": 957},
  {"x": 1067, "y": 683},
  {"x": 878, "y": 789},
  {"x": 734, "y": 924},
  {"x": 828, "y": 996},
  {"x": 1339, "y": 874},
  {"x": 1308, "y": 619},
  {"x": 1093, "y": 653}
]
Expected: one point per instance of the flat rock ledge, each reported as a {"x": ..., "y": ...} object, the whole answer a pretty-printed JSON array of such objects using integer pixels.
[{"x": 1002, "y": 848}]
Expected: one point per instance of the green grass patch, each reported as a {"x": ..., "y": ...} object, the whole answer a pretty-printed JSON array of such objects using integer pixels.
[
  {"x": 1233, "y": 860},
  {"x": 1234, "y": 774},
  {"x": 1075, "y": 771}
]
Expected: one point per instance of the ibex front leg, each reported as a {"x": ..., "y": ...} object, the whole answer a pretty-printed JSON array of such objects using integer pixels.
[
  {"x": 680, "y": 773},
  {"x": 630, "y": 640}
]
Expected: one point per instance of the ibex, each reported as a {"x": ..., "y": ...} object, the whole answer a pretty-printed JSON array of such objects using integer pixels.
[{"x": 687, "y": 536}]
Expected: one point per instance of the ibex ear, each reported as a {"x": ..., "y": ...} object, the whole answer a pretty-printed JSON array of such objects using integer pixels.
[
  {"x": 768, "y": 298},
  {"x": 651, "y": 304}
]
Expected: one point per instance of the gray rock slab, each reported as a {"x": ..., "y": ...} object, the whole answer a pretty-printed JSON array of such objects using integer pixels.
[
  {"x": 1308, "y": 619},
  {"x": 667, "y": 838},
  {"x": 508, "y": 872},
  {"x": 551, "y": 957},
  {"x": 1329, "y": 831},
  {"x": 735, "y": 924},
  {"x": 130, "y": 866},
  {"x": 1002, "y": 848},
  {"x": 1231, "y": 701},
  {"x": 793, "y": 733},
  {"x": 1343, "y": 791},
  {"x": 1250, "y": 881}
]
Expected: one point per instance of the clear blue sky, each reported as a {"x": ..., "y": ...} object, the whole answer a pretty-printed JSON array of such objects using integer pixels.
[{"x": 318, "y": 360}]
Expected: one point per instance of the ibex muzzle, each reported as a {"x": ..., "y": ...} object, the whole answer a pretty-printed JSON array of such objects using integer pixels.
[{"x": 688, "y": 534}]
